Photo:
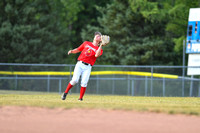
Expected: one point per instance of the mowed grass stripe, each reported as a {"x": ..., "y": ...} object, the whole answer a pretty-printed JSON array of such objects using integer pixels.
[{"x": 170, "y": 105}]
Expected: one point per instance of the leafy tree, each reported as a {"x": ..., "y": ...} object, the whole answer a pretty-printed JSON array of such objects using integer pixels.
[
  {"x": 87, "y": 16},
  {"x": 175, "y": 12},
  {"x": 136, "y": 38},
  {"x": 36, "y": 31},
  {"x": 177, "y": 25},
  {"x": 148, "y": 32}
]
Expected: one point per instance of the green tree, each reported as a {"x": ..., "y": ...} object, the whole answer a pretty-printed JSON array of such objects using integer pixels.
[
  {"x": 177, "y": 25},
  {"x": 175, "y": 12},
  {"x": 34, "y": 31},
  {"x": 87, "y": 16},
  {"x": 136, "y": 39}
]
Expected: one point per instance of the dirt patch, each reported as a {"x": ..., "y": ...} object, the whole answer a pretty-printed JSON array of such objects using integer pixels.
[{"x": 42, "y": 120}]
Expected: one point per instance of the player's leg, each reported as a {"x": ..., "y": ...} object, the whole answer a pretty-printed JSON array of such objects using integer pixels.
[
  {"x": 77, "y": 73},
  {"x": 84, "y": 80},
  {"x": 75, "y": 79},
  {"x": 69, "y": 86},
  {"x": 82, "y": 92}
]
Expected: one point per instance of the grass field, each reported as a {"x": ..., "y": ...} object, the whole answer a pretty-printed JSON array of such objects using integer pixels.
[{"x": 169, "y": 105}]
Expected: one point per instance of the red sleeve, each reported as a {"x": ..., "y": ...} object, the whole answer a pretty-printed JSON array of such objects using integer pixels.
[
  {"x": 101, "y": 52},
  {"x": 81, "y": 47}
]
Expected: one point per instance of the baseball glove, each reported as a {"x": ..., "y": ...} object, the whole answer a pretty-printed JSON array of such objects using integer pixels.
[{"x": 105, "y": 40}]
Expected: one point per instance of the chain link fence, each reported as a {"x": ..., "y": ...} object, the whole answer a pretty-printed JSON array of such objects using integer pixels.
[{"x": 104, "y": 80}]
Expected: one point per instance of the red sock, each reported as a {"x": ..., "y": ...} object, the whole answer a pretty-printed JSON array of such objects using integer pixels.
[
  {"x": 82, "y": 92},
  {"x": 68, "y": 88}
]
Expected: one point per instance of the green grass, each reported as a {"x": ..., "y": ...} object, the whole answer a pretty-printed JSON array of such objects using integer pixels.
[{"x": 169, "y": 105}]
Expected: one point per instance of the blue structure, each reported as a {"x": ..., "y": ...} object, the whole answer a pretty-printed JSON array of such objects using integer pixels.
[{"x": 193, "y": 31}]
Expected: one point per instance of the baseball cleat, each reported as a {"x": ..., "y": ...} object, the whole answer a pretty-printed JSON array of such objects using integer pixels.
[
  {"x": 80, "y": 99},
  {"x": 64, "y": 96}
]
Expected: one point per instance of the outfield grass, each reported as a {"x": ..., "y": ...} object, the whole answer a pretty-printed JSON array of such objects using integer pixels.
[{"x": 170, "y": 105}]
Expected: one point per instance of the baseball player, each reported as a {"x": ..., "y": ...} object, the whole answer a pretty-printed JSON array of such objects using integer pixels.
[{"x": 90, "y": 51}]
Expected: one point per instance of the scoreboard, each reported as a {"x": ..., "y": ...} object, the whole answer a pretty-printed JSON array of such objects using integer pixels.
[{"x": 193, "y": 32}]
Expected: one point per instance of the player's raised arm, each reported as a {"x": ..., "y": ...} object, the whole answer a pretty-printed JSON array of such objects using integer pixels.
[
  {"x": 104, "y": 41},
  {"x": 98, "y": 53}
]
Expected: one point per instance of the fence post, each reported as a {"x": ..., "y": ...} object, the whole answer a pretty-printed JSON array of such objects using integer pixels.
[
  {"x": 191, "y": 86},
  {"x": 151, "y": 80},
  {"x": 183, "y": 72},
  {"x": 132, "y": 88},
  {"x": 163, "y": 87},
  {"x": 113, "y": 85},
  {"x": 60, "y": 86},
  {"x": 97, "y": 84},
  {"x": 16, "y": 82},
  {"x": 146, "y": 85},
  {"x": 128, "y": 86},
  {"x": 48, "y": 83}
]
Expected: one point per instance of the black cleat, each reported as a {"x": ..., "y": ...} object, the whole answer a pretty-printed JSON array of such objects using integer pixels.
[
  {"x": 80, "y": 99},
  {"x": 64, "y": 96}
]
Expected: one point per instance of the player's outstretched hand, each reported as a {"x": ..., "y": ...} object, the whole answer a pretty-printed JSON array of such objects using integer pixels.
[{"x": 69, "y": 52}]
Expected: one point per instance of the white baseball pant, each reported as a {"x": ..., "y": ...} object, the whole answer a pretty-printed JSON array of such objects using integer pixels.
[{"x": 83, "y": 71}]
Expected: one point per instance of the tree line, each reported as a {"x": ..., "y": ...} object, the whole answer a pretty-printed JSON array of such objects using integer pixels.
[{"x": 143, "y": 32}]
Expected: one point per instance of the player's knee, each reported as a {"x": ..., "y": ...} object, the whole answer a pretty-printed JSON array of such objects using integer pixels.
[
  {"x": 83, "y": 84},
  {"x": 73, "y": 82}
]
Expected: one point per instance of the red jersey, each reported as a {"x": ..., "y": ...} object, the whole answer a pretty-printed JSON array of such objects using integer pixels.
[{"x": 88, "y": 52}]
